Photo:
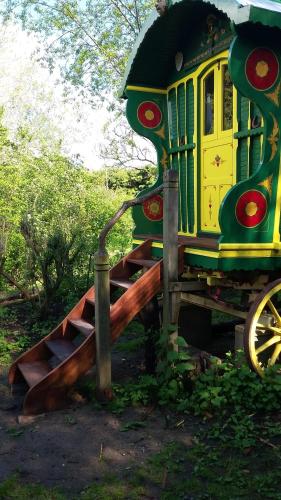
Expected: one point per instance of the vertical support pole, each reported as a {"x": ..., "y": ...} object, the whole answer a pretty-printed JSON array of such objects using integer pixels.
[
  {"x": 170, "y": 253},
  {"x": 102, "y": 326}
]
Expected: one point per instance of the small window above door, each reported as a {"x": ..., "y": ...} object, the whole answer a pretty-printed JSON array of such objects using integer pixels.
[
  {"x": 227, "y": 100},
  {"x": 209, "y": 103}
]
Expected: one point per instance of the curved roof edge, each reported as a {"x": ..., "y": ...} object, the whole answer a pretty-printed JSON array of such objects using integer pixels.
[{"x": 266, "y": 12}]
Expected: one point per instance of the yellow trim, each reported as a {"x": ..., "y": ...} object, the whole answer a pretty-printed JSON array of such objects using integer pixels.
[
  {"x": 242, "y": 254},
  {"x": 276, "y": 233},
  {"x": 147, "y": 89},
  {"x": 239, "y": 254},
  {"x": 204, "y": 253},
  {"x": 200, "y": 69},
  {"x": 249, "y": 246}
]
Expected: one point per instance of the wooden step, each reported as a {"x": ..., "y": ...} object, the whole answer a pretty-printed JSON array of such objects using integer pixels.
[
  {"x": 91, "y": 302},
  {"x": 61, "y": 348},
  {"x": 34, "y": 372},
  {"x": 121, "y": 283},
  {"x": 83, "y": 327},
  {"x": 143, "y": 262}
]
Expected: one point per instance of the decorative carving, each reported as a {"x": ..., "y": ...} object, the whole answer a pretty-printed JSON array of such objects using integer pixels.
[
  {"x": 153, "y": 208},
  {"x": 161, "y": 132},
  {"x": 210, "y": 207},
  {"x": 164, "y": 159},
  {"x": 218, "y": 161},
  {"x": 274, "y": 138},
  {"x": 251, "y": 208},
  {"x": 267, "y": 184},
  {"x": 275, "y": 95},
  {"x": 262, "y": 69},
  {"x": 149, "y": 114}
]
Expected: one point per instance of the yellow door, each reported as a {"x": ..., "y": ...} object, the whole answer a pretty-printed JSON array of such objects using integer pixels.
[{"x": 217, "y": 172}]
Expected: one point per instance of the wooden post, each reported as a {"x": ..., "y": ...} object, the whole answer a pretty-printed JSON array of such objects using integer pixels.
[
  {"x": 170, "y": 253},
  {"x": 102, "y": 326}
]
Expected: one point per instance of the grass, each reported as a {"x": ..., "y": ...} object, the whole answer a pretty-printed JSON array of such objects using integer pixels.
[
  {"x": 207, "y": 469},
  {"x": 13, "y": 489}
]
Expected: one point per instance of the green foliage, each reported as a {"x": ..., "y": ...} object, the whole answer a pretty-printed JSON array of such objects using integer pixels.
[
  {"x": 131, "y": 179},
  {"x": 113, "y": 488},
  {"x": 51, "y": 215},
  {"x": 11, "y": 343},
  {"x": 12, "y": 489},
  {"x": 91, "y": 40},
  {"x": 233, "y": 387}
]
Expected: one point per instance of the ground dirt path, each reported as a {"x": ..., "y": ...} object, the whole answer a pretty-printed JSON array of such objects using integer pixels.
[{"x": 80, "y": 445}]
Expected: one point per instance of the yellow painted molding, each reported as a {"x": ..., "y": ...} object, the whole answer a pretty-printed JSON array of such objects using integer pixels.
[
  {"x": 249, "y": 246},
  {"x": 147, "y": 89}
]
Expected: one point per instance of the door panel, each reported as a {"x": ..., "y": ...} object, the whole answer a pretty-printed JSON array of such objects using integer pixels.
[
  {"x": 210, "y": 204},
  {"x": 217, "y": 174}
]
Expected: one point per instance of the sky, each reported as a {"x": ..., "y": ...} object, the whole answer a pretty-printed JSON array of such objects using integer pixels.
[{"x": 37, "y": 99}]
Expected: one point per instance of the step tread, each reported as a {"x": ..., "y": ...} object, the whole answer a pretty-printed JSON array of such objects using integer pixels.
[
  {"x": 122, "y": 283},
  {"x": 83, "y": 326},
  {"x": 91, "y": 301},
  {"x": 61, "y": 348},
  {"x": 143, "y": 262},
  {"x": 34, "y": 372}
]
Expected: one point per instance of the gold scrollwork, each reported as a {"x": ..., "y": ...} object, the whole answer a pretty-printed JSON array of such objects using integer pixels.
[
  {"x": 274, "y": 138},
  {"x": 164, "y": 159},
  {"x": 267, "y": 184},
  {"x": 161, "y": 132},
  {"x": 275, "y": 95}
]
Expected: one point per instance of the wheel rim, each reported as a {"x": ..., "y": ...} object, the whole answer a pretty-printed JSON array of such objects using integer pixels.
[{"x": 262, "y": 337}]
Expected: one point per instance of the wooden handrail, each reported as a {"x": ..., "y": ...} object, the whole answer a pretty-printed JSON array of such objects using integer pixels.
[{"x": 124, "y": 207}]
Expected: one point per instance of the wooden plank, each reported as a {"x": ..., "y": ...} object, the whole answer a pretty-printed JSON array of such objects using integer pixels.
[
  {"x": 61, "y": 348},
  {"x": 121, "y": 283},
  {"x": 34, "y": 372},
  {"x": 211, "y": 304},
  {"x": 143, "y": 262},
  {"x": 83, "y": 326},
  {"x": 134, "y": 299},
  {"x": 188, "y": 241},
  {"x": 170, "y": 251},
  {"x": 102, "y": 326}
]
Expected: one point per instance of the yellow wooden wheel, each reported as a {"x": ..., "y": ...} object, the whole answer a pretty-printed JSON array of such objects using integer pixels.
[{"x": 262, "y": 336}]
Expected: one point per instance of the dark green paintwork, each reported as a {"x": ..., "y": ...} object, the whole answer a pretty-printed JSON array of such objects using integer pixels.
[
  {"x": 135, "y": 98},
  {"x": 232, "y": 230},
  {"x": 226, "y": 264},
  {"x": 152, "y": 65},
  {"x": 161, "y": 37}
]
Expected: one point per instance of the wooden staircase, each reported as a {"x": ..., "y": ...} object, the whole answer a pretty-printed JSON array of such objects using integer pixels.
[{"x": 50, "y": 367}]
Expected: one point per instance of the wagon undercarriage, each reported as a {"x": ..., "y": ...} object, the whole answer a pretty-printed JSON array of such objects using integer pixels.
[{"x": 256, "y": 300}]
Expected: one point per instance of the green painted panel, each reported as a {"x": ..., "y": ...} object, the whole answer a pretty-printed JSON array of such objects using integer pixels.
[
  {"x": 181, "y": 114},
  {"x": 190, "y": 156},
  {"x": 213, "y": 263},
  {"x": 190, "y": 111},
  {"x": 173, "y": 121},
  {"x": 236, "y": 223},
  {"x": 242, "y": 160},
  {"x": 243, "y": 125},
  {"x": 255, "y": 141},
  {"x": 183, "y": 191},
  {"x": 190, "y": 191}
]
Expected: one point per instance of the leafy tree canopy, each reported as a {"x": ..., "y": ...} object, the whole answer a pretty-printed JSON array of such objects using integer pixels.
[{"x": 90, "y": 39}]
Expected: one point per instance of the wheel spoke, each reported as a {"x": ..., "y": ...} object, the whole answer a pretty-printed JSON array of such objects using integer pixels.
[
  {"x": 274, "y": 311},
  {"x": 271, "y": 328},
  {"x": 275, "y": 355},
  {"x": 268, "y": 344}
]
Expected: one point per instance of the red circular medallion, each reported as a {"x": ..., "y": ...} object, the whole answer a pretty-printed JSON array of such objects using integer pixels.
[
  {"x": 149, "y": 114},
  {"x": 262, "y": 68},
  {"x": 153, "y": 208},
  {"x": 251, "y": 208}
]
